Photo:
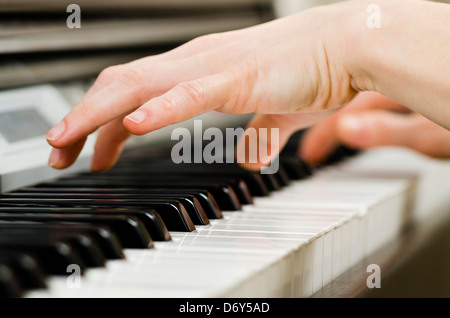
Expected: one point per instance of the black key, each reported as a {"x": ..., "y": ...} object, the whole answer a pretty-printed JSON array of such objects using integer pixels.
[
  {"x": 271, "y": 182},
  {"x": 190, "y": 203},
  {"x": 129, "y": 229},
  {"x": 239, "y": 187},
  {"x": 26, "y": 268},
  {"x": 254, "y": 182},
  {"x": 193, "y": 207},
  {"x": 55, "y": 255},
  {"x": 223, "y": 194},
  {"x": 172, "y": 212},
  {"x": 292, "y": 169},
  {"x": 85, "y": 246},
  {"x": 335, "y": 157},
  {"x": 282, "y": 176},
  {"x": 296, "y": 168},
  {"x": 105, "y": 238},
  {"x": 291, "y": 147},
  {"x": 9, "y": 284},
  {"x": 152, "y": 220},
  {"x": 350, "y": 152},
  {"x": 207, "y": 201},
  {"x": 339, "y": 154}
]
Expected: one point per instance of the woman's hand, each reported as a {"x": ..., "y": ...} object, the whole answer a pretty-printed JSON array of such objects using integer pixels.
[
  {"x": 372, "y": 120},
  {"x": 290, "y": 71}
]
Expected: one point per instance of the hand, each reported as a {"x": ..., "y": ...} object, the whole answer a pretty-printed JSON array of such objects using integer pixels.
[
  {"x": 372, "y": 120},
  {"x": 291, "y": 71}
]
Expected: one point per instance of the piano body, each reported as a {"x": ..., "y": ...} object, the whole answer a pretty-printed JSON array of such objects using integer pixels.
[{"x": 151, "y": 228}]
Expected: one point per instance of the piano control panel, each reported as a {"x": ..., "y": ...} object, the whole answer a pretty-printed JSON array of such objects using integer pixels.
[{"x": 26, "y": 114}]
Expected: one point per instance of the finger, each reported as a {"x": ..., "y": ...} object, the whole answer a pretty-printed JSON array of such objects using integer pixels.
[
  {"x": 375, "y": 128},
  {"x": 120, "y": 85},
  {"x": 62, "y": 158},
  {"x": 380, "y": 128},
  {"x": 112, "y": 136},
  {"x": 320, "y": 140},
  {"x": 92, "y": 108},
  {"x": 106, "y": 77},
  {"x": 123, "y": 95},
  {"x": 186, "y": 100},
  {"x": 110, "y": 143},
  {"x": 272, "y": 133},
  {"x": 111, "y": 74},
  {"x": 188, "y": 49}
]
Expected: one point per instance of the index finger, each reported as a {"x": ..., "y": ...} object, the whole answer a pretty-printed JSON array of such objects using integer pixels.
[{"x": 129, "y": 91}]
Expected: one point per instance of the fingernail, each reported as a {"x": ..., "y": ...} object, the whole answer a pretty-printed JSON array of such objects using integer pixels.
[
  {"x": 54, "y": 157},
  {"x": 137, "y": 117},
  {"x": 352, "y": 124},
  {"x": 56, "y": 132}
]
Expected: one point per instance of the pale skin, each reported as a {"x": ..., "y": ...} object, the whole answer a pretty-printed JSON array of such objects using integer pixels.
[
  {"x": 372, "y": 120},
  {"x": 322, "y": 66}
]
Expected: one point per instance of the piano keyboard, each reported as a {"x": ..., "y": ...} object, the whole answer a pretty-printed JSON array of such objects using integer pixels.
[{"x": 149, "y": 228}]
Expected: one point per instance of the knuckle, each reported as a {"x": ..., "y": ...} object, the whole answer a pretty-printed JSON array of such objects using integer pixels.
[
  {"x": 167, "y": 104},
  {"x": 243, "y": 76},
  {"x": 84, "y": 110},
  {"x": 205, "y": 39},
  {"x": 132, "y": 78},
  {"x": 169, "y": 109},
  {"x": 247, "y": 68},
  {"x": 192, "y": 91},
  {"x": 109, "y": 73}
]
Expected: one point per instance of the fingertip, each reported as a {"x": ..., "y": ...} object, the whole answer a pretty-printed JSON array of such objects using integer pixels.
[
  {"x": 137, "y": 117},
  {"x": 255, "y": 167},
  {"x": 307, "y": 150},
  {"x": 353, "y": 130},
  {"x": 54, "y": 158},
  {"x": 100, "y": 163},
  {"x": 312, "y": 158},
  {"x": 246, "y": 158},
  {"x": 317, "y": 143},
  {"x": 97, "y": 166},
  {"x": 351, "y": 124},
  {"x": 55, "y": 134},
  {"x": 138, "y": 122},
  {"x": 105, "y": 156},
  {"x": 61, "y": 158},
  {"x": 58, "y": 159}
]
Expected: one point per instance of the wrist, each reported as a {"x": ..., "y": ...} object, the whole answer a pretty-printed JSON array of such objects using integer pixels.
[
  {"x": 404, "y": 56},
  {"x": 368, "y": 27}
]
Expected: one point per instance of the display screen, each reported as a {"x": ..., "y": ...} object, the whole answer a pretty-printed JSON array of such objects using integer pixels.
[{"x": 22, "y": 124}]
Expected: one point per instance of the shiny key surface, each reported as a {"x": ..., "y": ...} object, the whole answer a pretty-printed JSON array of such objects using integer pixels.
[{"x": 290, "y": 241}]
